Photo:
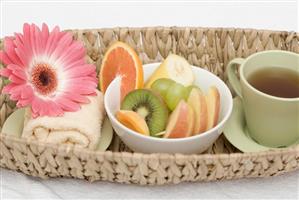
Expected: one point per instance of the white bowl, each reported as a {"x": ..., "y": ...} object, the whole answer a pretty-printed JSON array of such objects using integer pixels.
[{"x": 194, "y": 144}]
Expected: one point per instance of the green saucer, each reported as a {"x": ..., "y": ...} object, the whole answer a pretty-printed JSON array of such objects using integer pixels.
[
  {"x": 15, "y": 122},
  {"x": 237, "y": 133},
  {"x": 106, "y": 135}
]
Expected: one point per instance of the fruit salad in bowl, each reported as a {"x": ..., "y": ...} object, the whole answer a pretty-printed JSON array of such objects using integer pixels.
[{"x": 179, "y": 109}]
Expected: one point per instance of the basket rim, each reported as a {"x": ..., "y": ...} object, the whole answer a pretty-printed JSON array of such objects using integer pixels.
[
  {"x": 183, "y": 28},
  {"x": 62, "y": 149}
]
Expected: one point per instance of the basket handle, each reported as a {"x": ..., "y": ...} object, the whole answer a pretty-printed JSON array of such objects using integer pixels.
[{"x": 232, "y": 75}]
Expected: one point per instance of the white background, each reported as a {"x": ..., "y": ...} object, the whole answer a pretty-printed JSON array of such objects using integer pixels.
[
  {"x": 277, "y": 15},
  {"x": 274, "y": 15}
]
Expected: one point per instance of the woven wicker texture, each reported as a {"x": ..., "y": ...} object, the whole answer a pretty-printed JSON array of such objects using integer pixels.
[{"x": 209, "y": 48}]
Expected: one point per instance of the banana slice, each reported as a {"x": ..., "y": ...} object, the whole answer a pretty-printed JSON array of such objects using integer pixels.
[{"x": 173, "y": 67}]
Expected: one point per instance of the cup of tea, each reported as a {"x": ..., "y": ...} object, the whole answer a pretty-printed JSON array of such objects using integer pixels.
[{"x": 269, "y": 89}]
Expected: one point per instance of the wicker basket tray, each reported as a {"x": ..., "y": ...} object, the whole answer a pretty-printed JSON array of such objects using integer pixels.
[{"x": 211, "y": 48}]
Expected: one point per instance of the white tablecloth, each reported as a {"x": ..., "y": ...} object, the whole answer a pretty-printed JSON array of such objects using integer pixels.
[
  {"x": 277, "y": 15},
  {"x": 16, "y": 185}
]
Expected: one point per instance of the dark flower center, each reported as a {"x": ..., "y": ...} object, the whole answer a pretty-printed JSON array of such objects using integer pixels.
[{"x": 44, "y": 79}]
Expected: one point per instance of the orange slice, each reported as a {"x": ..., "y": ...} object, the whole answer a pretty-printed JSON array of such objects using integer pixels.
[
  {"x": 133, "y": 121},
  {"x": 121, "y": 60}
]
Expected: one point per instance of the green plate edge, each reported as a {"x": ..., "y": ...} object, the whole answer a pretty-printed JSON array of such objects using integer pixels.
[
  {"x": 106, "y": 135},
  {"x": 14, "y": 124},
  {"x": 234, "y": 130}
]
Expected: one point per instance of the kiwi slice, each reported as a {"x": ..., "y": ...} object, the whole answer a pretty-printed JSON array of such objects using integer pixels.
[{"x": 150, "y": 106}]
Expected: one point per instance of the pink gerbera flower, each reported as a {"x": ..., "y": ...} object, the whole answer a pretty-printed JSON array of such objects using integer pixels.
[{"x": 47, "y": 71}]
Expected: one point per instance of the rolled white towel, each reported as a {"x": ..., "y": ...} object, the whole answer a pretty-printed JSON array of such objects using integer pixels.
[{"x": 81, "y": 128}]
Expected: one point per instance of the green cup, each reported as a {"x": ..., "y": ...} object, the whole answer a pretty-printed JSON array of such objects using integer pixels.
[{"x": 271, "y": 121}]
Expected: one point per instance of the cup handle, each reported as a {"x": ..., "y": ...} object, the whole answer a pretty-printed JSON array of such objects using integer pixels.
[{"x": 232, "y": 76}]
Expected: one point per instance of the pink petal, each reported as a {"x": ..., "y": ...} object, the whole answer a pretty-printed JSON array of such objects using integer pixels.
[
  {"x": 52, "y": 41},
  {"x": 9, "y": 43},
  {"x": 5, "y": 72},
  {"x": 44, "y": 111},
  {"x": 93, "y": 94},
  {"x": 18, "y": 39},
  {"x": 27, "y": 44},
  {"x": 81, "y": 89},
  {"x": 17, "y": 89},
  {"x": 32, "y": 39},
  {"x": 17, "y": 71},
  {"x": 76, "y": 97},
  {"x": 86, "y": 80},
  {"x": 36, "y": 105},
  {"x": 20, "y": 74},
  {"x": 23, "y": 102},
  {"x": 35, "y": 40},
  {"x": 38, "y": 41},
  {"x": 21, "y": 51},
  {"x": 6, "y": 89},
  {"x": 73, "y": 53},
  {"x": 33, "y": 114},
  {"x": 14, "y": 67},
  {"x": 16, "y": 79},
  {"x": 68, "y": 105},
  {"x": 45, "y": 35},
  {"x": 81, "y": 71},
  {"x": 15, "y": 96},
  {"x": 16, "y": 92},
  {"x": 64, "y": 43},
  {"x": 10, "y": 50},
  {"x": 4, "y": 58},
  {"x": 27, "y": 92},
  {"x": 83, "y": 83},
  {"x": 21, "y": 93},
  {"x": 74, "y": 64},
  {"x": 24, "y": 55},
  {"x": 54, "y": 109}
]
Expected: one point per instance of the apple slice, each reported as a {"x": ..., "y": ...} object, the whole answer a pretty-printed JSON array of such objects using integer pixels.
[
  {"x": 198, "y": 103},
  {"x": 133, "y": 120},
  {"x": 213, "y": 105},
  {"x": 180, "y": 122}
]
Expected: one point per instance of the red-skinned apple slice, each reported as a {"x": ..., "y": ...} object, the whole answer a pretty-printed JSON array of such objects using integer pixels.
[
  {"x": 213, "y": 105},
  {"x": 181, "y": 121},
  {"x": 198, "y": 103}
]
